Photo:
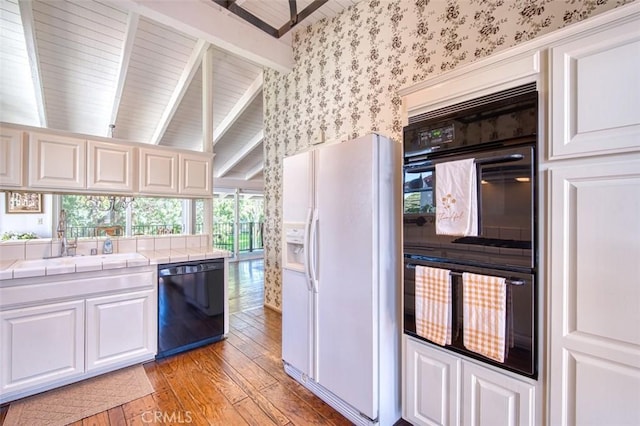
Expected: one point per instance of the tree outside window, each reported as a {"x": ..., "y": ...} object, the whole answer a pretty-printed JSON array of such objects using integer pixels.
[{"x": 150, "y": 216}]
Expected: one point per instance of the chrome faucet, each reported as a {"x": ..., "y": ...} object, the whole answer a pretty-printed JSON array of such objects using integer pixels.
[{"x": 66, "y": 248}]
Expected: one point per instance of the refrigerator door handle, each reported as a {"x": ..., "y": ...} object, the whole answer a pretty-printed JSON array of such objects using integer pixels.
[
  {"x": 313, "y": 244},
  {"x": 307, "y": 244}
]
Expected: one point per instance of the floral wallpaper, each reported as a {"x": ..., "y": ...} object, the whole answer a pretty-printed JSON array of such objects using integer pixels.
[{"x": 348, "y": 71}]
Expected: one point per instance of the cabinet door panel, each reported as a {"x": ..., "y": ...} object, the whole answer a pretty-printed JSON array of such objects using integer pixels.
[
  {"x": 11, "y": 152},
  {"x": 110, "y": 166},
  {"x": 195, "y": 174},
  {"x": 591, "y": 82},
  {"x": 56, "y": 162},
  {"x": 41, "y": 345},
  {"x": 492, "y": 398},
  {"x": 432, "y": 385},
  {"x": 594, "y": 252},
  {"x": 109, "y": 316},
  {"x": 158, "y": 171}
]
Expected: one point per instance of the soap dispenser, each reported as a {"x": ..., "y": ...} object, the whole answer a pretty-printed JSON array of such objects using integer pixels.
[{"x": 107, "y": 247}]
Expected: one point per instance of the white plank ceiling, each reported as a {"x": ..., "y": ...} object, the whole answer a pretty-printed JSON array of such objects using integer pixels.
[{"x": 83, "y": 65}]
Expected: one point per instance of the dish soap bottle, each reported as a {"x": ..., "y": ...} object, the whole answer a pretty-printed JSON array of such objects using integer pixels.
[{"x": 107, "y": 247}]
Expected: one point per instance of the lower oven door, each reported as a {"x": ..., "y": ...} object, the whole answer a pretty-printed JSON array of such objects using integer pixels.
[
  {"x": 521, "y": 313},
  {"x": 506, "y": 209}
]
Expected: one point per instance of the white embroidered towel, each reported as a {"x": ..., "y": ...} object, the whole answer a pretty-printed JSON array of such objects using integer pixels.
[
  {"x": 484, "y": 305},
  {"x": 433, "y": 304},
  {"x": 457, "y": 198}
]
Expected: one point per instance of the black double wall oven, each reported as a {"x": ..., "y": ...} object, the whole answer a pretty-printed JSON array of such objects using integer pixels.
[{"x": 499, "y": 132}]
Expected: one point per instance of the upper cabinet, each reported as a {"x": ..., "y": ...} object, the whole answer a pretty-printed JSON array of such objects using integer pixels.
[
  {"x": 591, "y": 80},
  {"x": 158, "y": 171},
  {"x": 196, "y": 174},
  {"x": 11, "y": 153},
  {"x": 32, "y": 159},
  {"x": 56, "y": 162},
  {"x": 110, "y": 166},
  {"x": 166, "y": 172}
]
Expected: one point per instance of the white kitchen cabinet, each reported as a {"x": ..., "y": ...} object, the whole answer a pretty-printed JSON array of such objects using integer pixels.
[
  {"x": 11, "y": 157},
  {"x": 594, "y": 292},
  {"x": 441, "y": 388},
  {"x": 110, "y": 166},
  {"x": 491, "y": 398},
  {"x": 432, "y": 387},
  {"x": 196, "y": 174},
  {"x": 56, "y": 330},
  {"x": 56, "y": 162},
  {"x": 109, "y": 316},
  {"x": 158, "y": 171},
  {"x": 595, "y": 92},
  {"x": 594, "y": 233}
]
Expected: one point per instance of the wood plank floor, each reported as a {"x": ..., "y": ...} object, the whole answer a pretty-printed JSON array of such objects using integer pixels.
[
  {"x": 245, "y": 285},
  {"x": 238, "y": 381}
]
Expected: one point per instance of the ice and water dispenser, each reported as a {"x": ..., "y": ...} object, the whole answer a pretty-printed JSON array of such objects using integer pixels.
[{"x": 294, "y": 246}]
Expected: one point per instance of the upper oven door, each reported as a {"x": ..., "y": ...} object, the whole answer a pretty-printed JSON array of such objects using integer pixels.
[{"x": 506, "y": 210}]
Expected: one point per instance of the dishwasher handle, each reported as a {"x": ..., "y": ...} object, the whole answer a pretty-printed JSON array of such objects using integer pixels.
[{"x": 170, "y": 271}]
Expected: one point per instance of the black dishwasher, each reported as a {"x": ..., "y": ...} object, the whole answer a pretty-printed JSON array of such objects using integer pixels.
[{"x": 190, "y": 305}]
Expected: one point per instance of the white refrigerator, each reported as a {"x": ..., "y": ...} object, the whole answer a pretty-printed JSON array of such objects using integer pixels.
[{"x": 341, "y": 276}]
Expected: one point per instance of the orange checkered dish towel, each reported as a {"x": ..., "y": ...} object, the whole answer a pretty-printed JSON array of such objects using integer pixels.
[
  {"x": 433, "y": 304},
  {"x": 484, "y": 300}
]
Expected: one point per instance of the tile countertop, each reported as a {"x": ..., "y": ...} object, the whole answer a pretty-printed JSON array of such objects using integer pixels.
[{"x": 10, "y": 269}]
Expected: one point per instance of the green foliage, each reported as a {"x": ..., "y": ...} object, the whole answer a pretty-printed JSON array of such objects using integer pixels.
[
  {"x": 80, "y": 213},
  {"x": 145, "y": 211},
  {"x": 165, "y": 212},
  {"x": 18, "y": 236},
  {"x": 223, "y": 209},
  {"x": 252, "y": 209},
  {"x": 157, "y": 211},
  {"x": 412, "y": 204}
]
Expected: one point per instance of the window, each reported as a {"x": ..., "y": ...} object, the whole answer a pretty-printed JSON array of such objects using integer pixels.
[
  {"x": 85, "y": 219},
  {"x": 149, "y": 216},
  {"x": 154, "y": 216}
]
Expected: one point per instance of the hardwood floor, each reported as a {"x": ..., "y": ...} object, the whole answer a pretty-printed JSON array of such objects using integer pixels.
[
  {"x": 237, "y": 381},
  {"x": 245, "y": 285}
]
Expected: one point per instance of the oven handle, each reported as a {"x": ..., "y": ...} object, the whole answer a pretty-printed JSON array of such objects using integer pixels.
[
  {"x": 510, "y": 281},
  {"x": 420, "y": 168}
]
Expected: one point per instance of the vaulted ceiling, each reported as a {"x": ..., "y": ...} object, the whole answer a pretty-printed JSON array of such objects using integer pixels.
[{"x": 83, "y": 65}]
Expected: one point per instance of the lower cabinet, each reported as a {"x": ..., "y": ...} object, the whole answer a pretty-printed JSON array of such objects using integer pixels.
[
  {"x": 108, "y": 316},
  {"x": 46, "y": 343},
  {"x": 492, "y": 398},
  {"x": 56, "y": 330},
  {"x": 441, "y": 388}
]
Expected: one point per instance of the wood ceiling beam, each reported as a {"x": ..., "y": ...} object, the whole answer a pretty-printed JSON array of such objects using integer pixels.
[
  {"x": 188, "y": 73},
  {"x": 127, "y": 48},
  {"x": 293, "y": 11},
  {"x": 242, "y": 153},
  {"x": 28, "y": 25},
  {"x": 243, "y": 103},
  {"x": 253, "y": 172},
  {"x": 232, "y": 6},
  {"x": 300, "y": 17},
  {"x": 213, "y": 23}
]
